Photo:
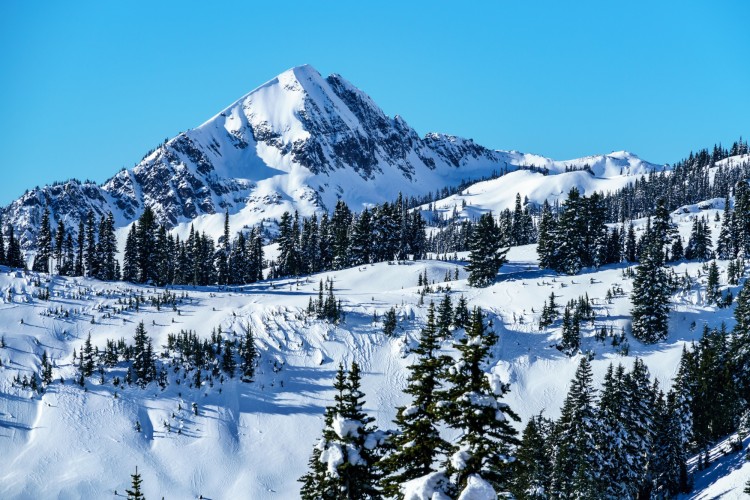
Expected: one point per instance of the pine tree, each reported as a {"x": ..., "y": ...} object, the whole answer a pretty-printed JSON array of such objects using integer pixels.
[
  {"x": 417, "y": 442},
  {"x": 485, "y": 257},
  {"x": 143, "y": 363},
  {"x": 445, "y": 317},
  {"x": 616, "y": 475},
  {"x": 713, "y": 294},
  {"x": 13, "y": 255},
  {"x": 546, "y": 243},
  {"x": 44, "y": 244},
  {"x": 3, "y": 261},
  {"x": 347, "y": 453},
  {"x": 134, "y": 493},
  {"x": 533, "y": 463},
  {"x": 80, "y": 249},
  {"x": 574, "y": 471},
  {"x": 571, "y": 332},
  {"x": 487, "y": 440},
  {"x": 389, "y": 322},
  {"x": 570, "y": 253},
  {"x": 248, "y": 355},
  {"x": 650, "y": 297},
  {"x": 461, "y": 315}
]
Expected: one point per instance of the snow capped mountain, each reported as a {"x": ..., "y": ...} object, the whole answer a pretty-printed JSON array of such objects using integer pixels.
[{"x": 298, "y": 142}]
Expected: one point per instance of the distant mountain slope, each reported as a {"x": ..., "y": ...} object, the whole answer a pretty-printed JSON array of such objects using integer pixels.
[{"x": 299, "y": 141}]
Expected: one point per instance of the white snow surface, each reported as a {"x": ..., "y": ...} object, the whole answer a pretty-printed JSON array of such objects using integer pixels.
[
  {"x": 254, "y": 440},
  {"x": 477, "y": 489}
]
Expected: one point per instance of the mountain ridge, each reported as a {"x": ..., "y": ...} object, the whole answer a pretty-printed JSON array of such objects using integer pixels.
[{"x": 300, "y": 141}]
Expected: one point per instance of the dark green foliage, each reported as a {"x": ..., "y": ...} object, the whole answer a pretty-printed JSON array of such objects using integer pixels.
[
  {"x": 651, "y": 295},
  {"x": 44, "y": 244},
  {"x": 134, "y": 493},
  {"x": 486, "y": 257},
  {"x": 350, "y": 436},
  {"x": 417, "y": 443},
  {"x": 473, "y": 407},
  {"x": 533, "y": 460},
  {"x": 575, "y": 468},
  {"x": 390, "y": 322}
]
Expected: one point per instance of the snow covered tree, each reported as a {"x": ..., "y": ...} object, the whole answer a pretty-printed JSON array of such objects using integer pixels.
[
  {"x": 699, "y": 244},
  {"x": 343, "y": 463},
  {"x": 650, "y": 297},
  {"x": 390, "y": 322},
  {"x": 533, "y": 463},
  {"x": 417, "y": 443},
  {"x": 473, "y": 407},
  {"x": 571, "y": 332},
  {"x": 575, "y": 465},
  {"x": 713, "y": 294},
  {"x": 740, "y": 344},
  {"x": 485, "y": 257},
  {"x": 44, "y": 244},
  {"x": 546, "y": 241},
  {"x": 461, "y": 315},
  {"x": 616, "y": 476}
]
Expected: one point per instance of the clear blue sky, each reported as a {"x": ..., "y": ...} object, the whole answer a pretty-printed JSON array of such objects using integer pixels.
[{"x": 89, "y": 87}]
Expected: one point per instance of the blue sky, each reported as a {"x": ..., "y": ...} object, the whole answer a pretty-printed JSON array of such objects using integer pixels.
[{"x": 88, "y": 87}]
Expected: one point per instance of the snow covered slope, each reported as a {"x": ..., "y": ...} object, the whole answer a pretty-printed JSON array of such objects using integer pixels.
[
  {"x": 299, "y": 141},
  {"x": 254, "y": 440},
  {"x": 604, "y": 173}
]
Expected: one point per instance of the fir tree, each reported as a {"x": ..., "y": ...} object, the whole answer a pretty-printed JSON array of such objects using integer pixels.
[
  {"x": 533, "y": 463},
  {"x": 348, "y": 451},
  {"x": 713, "y": 294},
  {"x": 650, "y": 297},
  {"x": 389, "y": 322},
  {"x": 486, "y": 257},
  {"x": 417, "y": 442},
  {"x": 445, "y": 317},
  {"x": 248, "y": 355},
  {"x": 134, "y": 493},
  {"x": 44, "y": 244},
  {"x": 487, "y": 441},
  {"x": 574, "y": 471}
]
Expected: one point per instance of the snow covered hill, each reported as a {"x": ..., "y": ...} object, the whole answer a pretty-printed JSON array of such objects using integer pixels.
[
  {"x": 254, "y": 440},
  {"x": 299, "y": 141}
]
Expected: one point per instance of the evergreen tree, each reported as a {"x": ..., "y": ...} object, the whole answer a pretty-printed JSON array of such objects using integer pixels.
[
  {"x": 546, "y": 239},
  {"x": 571, "y": 332},
  {"x": 130, "y": 261},
  {"x": 487, "y": 440},
  {"x": 461, "y": 315},
  {"x": 91, "y": 257},
  {"x": 145, "y": 245},
  {"x": 650, "y": 297},
  {"x": 348, "y": 451},
  {"x": 417, "y": 442},
  {"x": 143, "y": 361},
  {"x": 44, "y": 244},
  {"x": 3, "y": 260},
  {"x": 248, "y": 355},
  {"x": 445, "y": 317},
  {"x": 80, "y": 249},
  {"x": 485, "y": 258},
  {"x": 533, "y": 464},
  {"x": 740, "y": 345},
  {"x": 574, "y": 470},
  {"x": 713, "y": 294},
  {"x": 13, "y": 256},
  {"x": 134, "y": 493},
  {"x": 390, "y": 322}
]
